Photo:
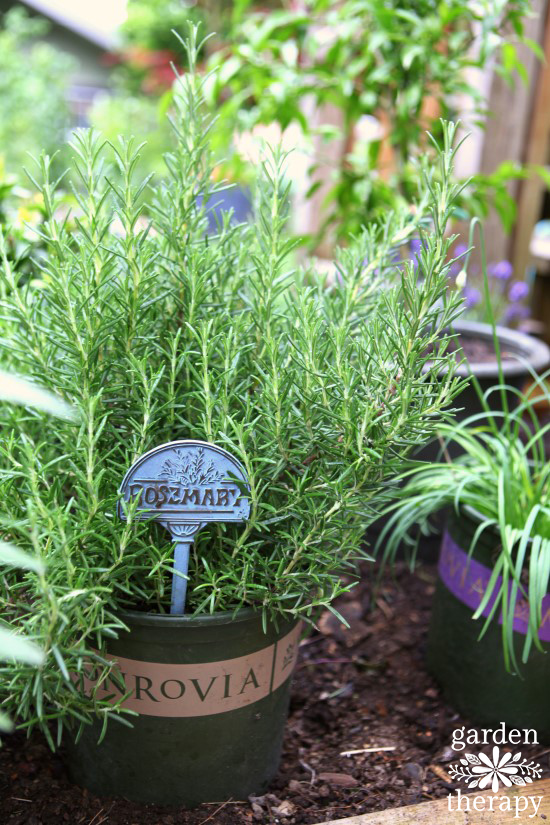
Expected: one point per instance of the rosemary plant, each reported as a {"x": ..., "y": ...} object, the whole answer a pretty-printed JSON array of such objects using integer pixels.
[
  {"x": 13, "y": 646},
  {"x": 155, "y": 330}
]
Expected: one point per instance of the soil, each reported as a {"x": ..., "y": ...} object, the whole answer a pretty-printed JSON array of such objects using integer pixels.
[
  {"x": 362, "y": 689},
  {"x": 480, "y": 350},
  {"x": 477, "y": 350}
]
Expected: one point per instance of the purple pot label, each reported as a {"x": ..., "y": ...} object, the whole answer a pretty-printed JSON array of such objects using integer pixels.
[
  {"x": 467, "y": 579},
  {"x": 203, "y": 689}
]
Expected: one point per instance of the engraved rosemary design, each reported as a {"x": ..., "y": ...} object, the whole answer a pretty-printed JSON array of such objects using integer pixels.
[
  {"x": 482, "y": 771},
  {"x": 189, "y": 468}
]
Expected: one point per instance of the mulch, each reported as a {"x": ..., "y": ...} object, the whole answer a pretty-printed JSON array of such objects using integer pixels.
[{"x": 363, "y": 689}]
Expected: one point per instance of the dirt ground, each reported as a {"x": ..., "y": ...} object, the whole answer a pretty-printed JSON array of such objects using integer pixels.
[{"x": 361, "y": 689}]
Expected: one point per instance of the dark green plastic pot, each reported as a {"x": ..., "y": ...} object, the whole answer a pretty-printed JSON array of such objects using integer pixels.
[
  {"x": 222, "y": 686},
  {"x": 471, "y": 671}
]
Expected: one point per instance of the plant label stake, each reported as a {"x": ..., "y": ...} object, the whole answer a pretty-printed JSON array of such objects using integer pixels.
[{"x": 185, "y": 485}]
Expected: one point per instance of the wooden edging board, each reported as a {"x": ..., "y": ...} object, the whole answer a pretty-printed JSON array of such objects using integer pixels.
[{"x": 438, "y": 813}]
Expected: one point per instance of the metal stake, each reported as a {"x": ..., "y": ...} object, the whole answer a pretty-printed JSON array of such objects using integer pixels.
[
  {"x": 179, "y": 584},
  {"x": 181, "y": 563}
]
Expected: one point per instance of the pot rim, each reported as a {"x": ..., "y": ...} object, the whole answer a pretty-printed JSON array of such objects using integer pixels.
[
  {"x": 474, "y": 515},
  {"x": 222, "y": 617},
  {"x": 536, "y": 353}
]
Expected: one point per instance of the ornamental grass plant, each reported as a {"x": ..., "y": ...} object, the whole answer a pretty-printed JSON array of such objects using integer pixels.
[
  {"x": 155, "y": 330},
  {"x": 503, "y": 480}
]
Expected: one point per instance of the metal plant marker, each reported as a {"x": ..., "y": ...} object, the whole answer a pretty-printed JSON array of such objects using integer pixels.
[{"x": 184, "y": 485}]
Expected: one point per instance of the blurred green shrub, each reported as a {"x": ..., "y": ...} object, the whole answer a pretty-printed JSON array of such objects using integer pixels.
[
  {"x": 33, "y": 85},
  {"x": 149, "y": 48},
  {"x": 21, "y": 213},
  {"x": 150, "y": 22}
]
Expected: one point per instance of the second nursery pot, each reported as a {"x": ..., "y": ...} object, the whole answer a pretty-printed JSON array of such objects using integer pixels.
[
  {"x": 212, "y": 695},
  {"x": 521, "y": 355},
  {"x": 470, "y": 670}
]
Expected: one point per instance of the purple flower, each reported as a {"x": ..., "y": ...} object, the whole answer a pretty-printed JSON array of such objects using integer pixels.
[
  {"x": 415, "y": 248},
  {"x": 459, "y": 250},
  {"x": 516, "y": 313},
  {"x": 472, "y": 296},
  {"x": 454, "y": 269},
  {"x": 518, "y": 291},
  {"x": 501, "y": 270}
]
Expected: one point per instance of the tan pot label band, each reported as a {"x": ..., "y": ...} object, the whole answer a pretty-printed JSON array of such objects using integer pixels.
[{"x": 203, "y": 689}]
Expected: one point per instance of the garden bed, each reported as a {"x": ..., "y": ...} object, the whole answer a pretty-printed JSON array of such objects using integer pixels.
[{"x": 358, "y": 689}]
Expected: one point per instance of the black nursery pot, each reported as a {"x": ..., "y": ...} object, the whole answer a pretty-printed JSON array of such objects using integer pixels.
[
  {"x": 212, "y": 695},
  {"x": 471, "y": 671}
]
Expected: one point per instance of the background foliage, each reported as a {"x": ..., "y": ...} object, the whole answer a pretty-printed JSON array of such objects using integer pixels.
[
  {"x": 404, "y": 63},
  {"x": 33, "y": 86}
]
